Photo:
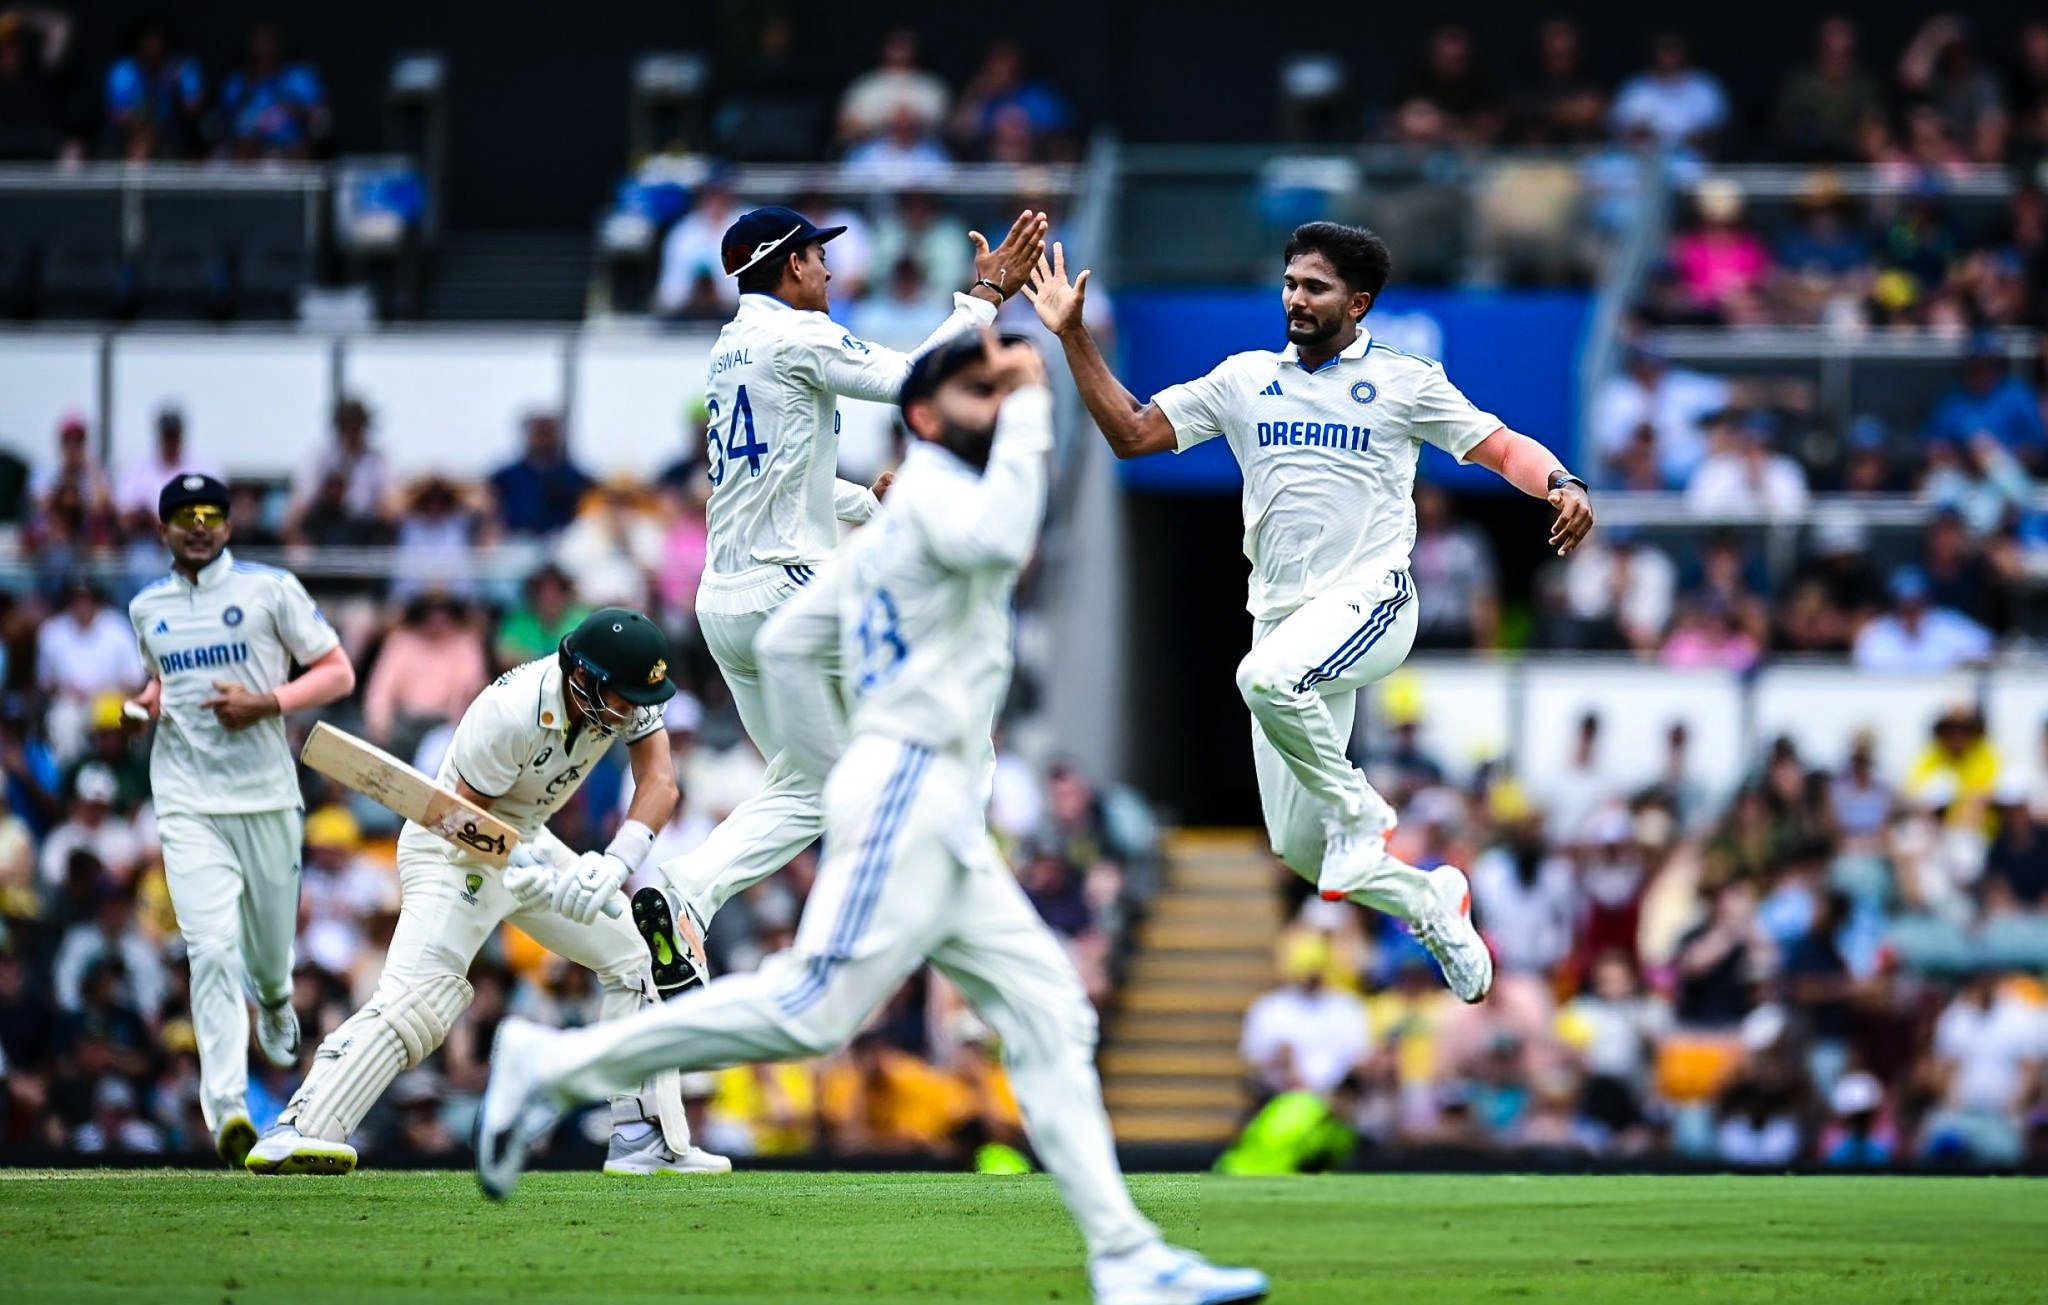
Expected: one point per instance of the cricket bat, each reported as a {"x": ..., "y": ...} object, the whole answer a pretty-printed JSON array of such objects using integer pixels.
[{"x": 384, "y": 779}]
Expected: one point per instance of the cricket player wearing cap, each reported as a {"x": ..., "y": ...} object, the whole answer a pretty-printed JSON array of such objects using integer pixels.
[
  {"x": 917, "y": 608},
  {"x": 219, "y": 638},
  {"x": 521, "y": 750},
  {"x": 772, "y": 453},
  {"x": 1327, "y": 432}
]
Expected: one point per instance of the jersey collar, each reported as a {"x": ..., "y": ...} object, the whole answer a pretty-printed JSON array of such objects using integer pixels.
[
  {"x": 1351, "y": 352},
  {"x": 212, "y": 574},
  {"x": 550, "y": 708}
]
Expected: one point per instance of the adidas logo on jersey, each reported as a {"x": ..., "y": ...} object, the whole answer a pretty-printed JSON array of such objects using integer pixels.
[
  {"x": 162, "y": 627},
  {"x": 1273, "y": 389}
]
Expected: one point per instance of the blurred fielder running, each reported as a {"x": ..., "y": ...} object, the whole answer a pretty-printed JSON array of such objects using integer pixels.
[
  {"x": 219, "y": 638},
  {"x": 917, "y": 608},
  {"x": 772, "y": 456},
  {"x": 521, "y": 750},
  {"x": 1327, "y": 432}
]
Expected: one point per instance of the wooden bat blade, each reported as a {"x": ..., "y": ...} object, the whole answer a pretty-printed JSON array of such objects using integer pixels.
[{"x": 367, "y": 769}]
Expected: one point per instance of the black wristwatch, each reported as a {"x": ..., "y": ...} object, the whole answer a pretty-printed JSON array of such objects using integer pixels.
[{"x": 1560, "y": 478}]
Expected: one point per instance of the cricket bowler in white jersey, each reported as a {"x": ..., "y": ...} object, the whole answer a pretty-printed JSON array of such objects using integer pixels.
[
  {"x": 1327, "y": 432},
  {"x": 219, "y": 638},
  {"x": 521, "y": 750},
  {"x": 917, "y": 608},
  {"x": 772, "y": 456}
]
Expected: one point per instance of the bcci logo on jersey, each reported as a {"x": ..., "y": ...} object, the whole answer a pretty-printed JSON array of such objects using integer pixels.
[{"x": 1364, "y": 392}]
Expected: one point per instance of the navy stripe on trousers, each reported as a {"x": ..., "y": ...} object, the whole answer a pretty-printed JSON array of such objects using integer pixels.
[
  {"x": 865, "y": 888},
  {"x": 1362, "y": 639},
  {"x": 801, "y": 575}
]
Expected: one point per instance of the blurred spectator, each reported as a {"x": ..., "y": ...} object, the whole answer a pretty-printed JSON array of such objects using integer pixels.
[
  {"x": 772, "y": 108},
  {"x": 105, "y": 959},
  {"x": 1978, "y": 480},
  {"x": 1859, "y": 800},
  {"x": 917, "y": 227},
  {"x": 547, "y": 611},
  {"x": 1449, "y": 81},
  {"x": 341, "y": 893},
  {"x": 1563, "y": 104},
  {"x": 1858, "y": 1135},
  {"x": 1706, "y": 634},
  {"x": 902, "y": 316},
  {"x": 38, "y": 119},
  {"x": 2030, "y": 93},
  {"x": 539, "y": 492},
  {"x": 1822, "y": 105},
  {"x": 155, "y": 97},
  {"x": 614, "y": 546},
  {"x": 438, "y": 532},
  {"x": 1959, "y": 763},
  {"x": 348, "y": 480},
  {"x": 92, "y": 826},
  {"x": 1004, "y": 88},
  {"x": 894, "y": 90},
  {"x": 145, "y": 479},
  {"x": 427, "y": 672},
  {"x": 1958, "y": 576},
  {"x": 905, "y": 153},
  {"x": 84, "y": 650},
  {"x": 1616, "y": 1024},
  {"x": 1743, "y": 476},
  {"x": 1916, "y": 636},
  {"x": 1457, "y": 593},
  {"x": 1526, "y": 899},
  {"x": 2017, "y": 861},
  {"x": 1820, "y": 989},
  {"x": 274, "y": 109},
  {"x": 876, "y": 1099},
  {"x": 1940, "y": 66},
  {"x": 1721, "y": 264},
  {"x": 1989, "y": 400},
  {"x": 1304, "y": 1035},
  {"x": 75, "y": 480},
  {"x": 1651, "y": 408},
  {"x": 1618, "y": 593},
  {"x": 114, "y": 1125},
  {"x": 1986, "y": 1064},
  {"x": 1722, "y": 959},
  {"x": 1680, "y": 106},
  {"x": 693, "y": 258}
]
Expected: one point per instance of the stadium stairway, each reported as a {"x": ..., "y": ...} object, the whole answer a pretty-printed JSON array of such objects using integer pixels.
[
  {"x": 1169, "y": 1061},
  {"x": 498, "y": 276}
]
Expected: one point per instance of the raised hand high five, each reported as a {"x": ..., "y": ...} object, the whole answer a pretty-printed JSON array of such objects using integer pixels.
[
  {"x": 1058, "y": 301},
  {"x": 1006, "y": 266}
]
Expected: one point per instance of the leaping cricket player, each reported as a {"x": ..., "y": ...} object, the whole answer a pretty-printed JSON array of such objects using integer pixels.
[
  {"x": 219, "y": 638},
  {"x": 1327, "y": 432},
  {"x": 521, "y": 750},
  {"x": 772, "y": 457},
  {"x": 917, "y": 608}
]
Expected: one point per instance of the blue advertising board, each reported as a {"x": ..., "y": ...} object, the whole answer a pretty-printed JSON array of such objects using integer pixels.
[{"x": 1515, "y": 353}]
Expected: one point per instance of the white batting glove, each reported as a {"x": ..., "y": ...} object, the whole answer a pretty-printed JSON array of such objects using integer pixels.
[
  {"x": 582, "y": 889},
  {"x": 529, "y": 878}
]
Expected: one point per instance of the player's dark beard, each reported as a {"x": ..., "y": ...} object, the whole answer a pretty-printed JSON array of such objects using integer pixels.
[
  {"x": 968, "y": 443},
  {"x": 1314, "y": 331}
]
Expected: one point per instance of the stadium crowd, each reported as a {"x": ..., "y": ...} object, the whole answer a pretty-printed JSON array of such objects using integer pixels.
[
  {"x": 1830, "y": 965},
  {"x": 96, "y": 1042}
]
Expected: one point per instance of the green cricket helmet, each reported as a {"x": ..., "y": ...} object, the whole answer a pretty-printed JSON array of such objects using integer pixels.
[{"x": 616, "y": 648}]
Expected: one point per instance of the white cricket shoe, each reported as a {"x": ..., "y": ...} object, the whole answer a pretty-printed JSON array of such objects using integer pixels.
[
  {"x": 1158, "y": 1274},
  {"x": 651, "y": 1154},
  {"x": 277, "y": 1033},
  {"x": 285, "y": 1150},
  {"x": 515, "y": 1111},
  {"x": 234, "y": 1139},
  {"x": 1446, "y": 930},
  {"x": 1352, "y": 852}
]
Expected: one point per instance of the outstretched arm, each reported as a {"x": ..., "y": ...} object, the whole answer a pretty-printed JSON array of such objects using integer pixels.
[
  {"x": 1132, "y": 428},
  {"x": 1530, "y": 467}
]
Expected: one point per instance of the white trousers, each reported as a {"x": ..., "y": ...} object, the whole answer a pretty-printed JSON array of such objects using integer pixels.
[
  {"x": 767, "y": 831},
  {"x": 234, "y": 883},
  {"x": 1301, "y": 681},
  {"x": 448, "y": 909},
  {"x": 910, "y": 874}
]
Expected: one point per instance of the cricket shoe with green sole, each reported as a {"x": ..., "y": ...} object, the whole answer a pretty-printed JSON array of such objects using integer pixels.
[
  {"x": 285, "y": 1150},
  {"x": 675, "y": 939},
  {"x": 234, "y": 1139}
]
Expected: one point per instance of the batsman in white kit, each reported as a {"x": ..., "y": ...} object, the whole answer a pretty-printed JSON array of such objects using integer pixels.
[
  {"x": 917, "y": 609},
  {"x": 1327, "y": 432},
  {"x": 521, "y": 750},
  {"x": 219, "y": 638},
  {"x": 772, "y": 457}
]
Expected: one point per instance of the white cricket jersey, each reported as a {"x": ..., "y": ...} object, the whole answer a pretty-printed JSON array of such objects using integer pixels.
[
  {"x": 919, "y": 602},
  {"x": 240, "y": 622},
  {"x": 772, "y": 446},
  {"x": 1328, "y": 458},
  {"x": 514, "y": 746}
]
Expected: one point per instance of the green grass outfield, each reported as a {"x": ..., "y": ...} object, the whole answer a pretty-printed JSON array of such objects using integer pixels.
[{"x": 143, "y": 1237}]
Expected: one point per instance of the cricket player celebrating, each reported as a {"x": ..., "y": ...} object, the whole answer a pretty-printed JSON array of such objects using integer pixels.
[
  {"x": 1327, "y": 432},
  {"x": 917, "y": 610},
  {"x": 521, "y": 750},
  {"x": 772, "y": 456},
  {"x": 219, "y": 638}
]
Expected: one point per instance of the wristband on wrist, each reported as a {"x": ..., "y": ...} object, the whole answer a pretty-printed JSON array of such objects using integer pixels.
[
  {"x": 984, "y": 282},
  {"x": 631, "y": 844},
  {"x": 1561, "y": 478}
]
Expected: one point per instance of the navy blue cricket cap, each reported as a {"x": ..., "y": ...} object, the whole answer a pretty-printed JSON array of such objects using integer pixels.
[
  {"x": 185, "y": 490},
  {"x": 764, "y": 232}
]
